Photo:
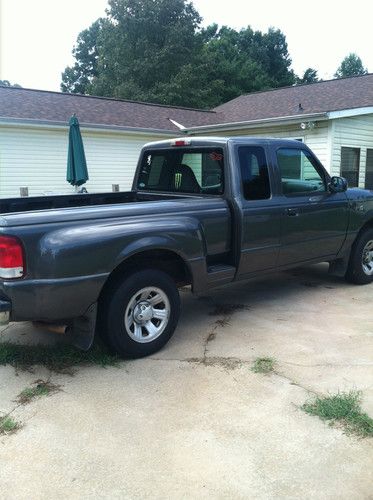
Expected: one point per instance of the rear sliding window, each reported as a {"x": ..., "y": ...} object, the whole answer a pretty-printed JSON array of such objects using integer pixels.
[{"x": 183, "y": 170}]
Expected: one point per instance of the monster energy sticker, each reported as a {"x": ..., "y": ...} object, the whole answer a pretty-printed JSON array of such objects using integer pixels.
[{"x": 178, "y": 178}]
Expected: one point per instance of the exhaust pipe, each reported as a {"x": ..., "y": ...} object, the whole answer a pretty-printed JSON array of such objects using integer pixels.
[
  {"x": 51, "y": 327},
  {"x": 79, "y": 331}
]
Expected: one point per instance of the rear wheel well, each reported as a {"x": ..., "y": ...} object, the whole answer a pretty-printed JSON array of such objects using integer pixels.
[{"x": 163, "y": 260}]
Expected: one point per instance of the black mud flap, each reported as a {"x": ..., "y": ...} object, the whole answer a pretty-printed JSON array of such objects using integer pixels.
[
  {"x": 338, "y": 267},
  {"x": 82, "y": 329}
]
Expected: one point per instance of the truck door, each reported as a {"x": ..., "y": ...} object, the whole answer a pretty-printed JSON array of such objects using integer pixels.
[
  {"x": 260, "y": 212},
  {"x": 314, "y": 220}
]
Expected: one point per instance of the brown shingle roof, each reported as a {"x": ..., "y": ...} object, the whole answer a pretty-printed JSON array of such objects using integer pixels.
[
  {"x": 56, "y": 107},
  {"x": 331, "y": 95}
]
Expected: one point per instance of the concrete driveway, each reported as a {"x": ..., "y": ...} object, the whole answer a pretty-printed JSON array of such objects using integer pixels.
[{"x": 194, "y": 421}]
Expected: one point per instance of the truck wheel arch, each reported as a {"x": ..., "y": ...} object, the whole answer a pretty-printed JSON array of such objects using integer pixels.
[
  {"x": 339, "y": 266},
  {"x": 368, "y": 225},
  {"x": 359, "y": 265},
  {"x": 158, "y": 258}
]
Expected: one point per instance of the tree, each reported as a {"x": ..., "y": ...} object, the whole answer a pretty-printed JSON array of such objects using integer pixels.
[
  {"x": 232, "y": 63},
  {"x": 277, "y": 59},
  {"x": 351, "y": 65},
  {"x": 6, "y": 83},
  {"x": 144, "y": 45},
  {"x": 78, "y": 78},
  {"x": 309, "y": 76},
  {"x": 156, "y": 51}
]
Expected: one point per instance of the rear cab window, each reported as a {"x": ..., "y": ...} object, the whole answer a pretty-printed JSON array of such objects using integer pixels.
[
  {"x": 183, "y": 170},
  {"x": 254, "y": 173}
]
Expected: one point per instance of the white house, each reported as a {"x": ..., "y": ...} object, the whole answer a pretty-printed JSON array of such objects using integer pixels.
[{"x": 335, "y": 118}]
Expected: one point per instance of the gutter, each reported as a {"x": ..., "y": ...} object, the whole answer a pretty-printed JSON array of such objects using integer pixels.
[
  {"x": 346, "y": 113},
  {"x": 89, "y": 127},
  {"x": 248, "y": 124},
  {"x": 282, "y": 120}
]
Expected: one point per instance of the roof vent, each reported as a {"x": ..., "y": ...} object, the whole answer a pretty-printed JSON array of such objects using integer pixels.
[{"x": 300, "y": 107}]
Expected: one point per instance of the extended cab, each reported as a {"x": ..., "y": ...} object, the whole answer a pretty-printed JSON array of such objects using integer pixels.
[{"x": 202, "y": 212}]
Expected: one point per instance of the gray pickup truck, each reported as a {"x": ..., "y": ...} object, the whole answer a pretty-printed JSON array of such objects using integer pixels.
[{"x": 202, "y": 212}]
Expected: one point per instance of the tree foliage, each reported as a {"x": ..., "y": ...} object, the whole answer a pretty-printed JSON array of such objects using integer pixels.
[
  {"x": 156, "y": 51},
  {"x": 79, "y": 77},
  {"x": 6, "y": 83},
  {"x": 309, "y": 76},
  {"x": 351, "y": 65}
]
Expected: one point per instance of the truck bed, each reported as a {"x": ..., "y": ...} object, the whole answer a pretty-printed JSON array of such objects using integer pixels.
[{"x": 11, "y": 205}]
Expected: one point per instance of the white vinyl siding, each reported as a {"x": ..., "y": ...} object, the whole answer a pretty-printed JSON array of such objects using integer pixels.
[
  {"x": 352, "y": 132},
  {"x": 316, "y": 139},
  {"x": 194, "y": 161},
  {"x": 36, "y": 158}
]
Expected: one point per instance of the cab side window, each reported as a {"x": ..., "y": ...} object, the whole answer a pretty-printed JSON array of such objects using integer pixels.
[
  {"x": 299, "y": 172},
  {"x": 254, "y": 173}
]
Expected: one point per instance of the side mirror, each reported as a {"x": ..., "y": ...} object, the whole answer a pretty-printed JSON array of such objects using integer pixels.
[{"x": 338, "y": 184}]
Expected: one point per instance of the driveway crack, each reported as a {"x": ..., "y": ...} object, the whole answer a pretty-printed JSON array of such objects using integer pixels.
[
  {"x": 226, "y": 312},
  {"x": 342, "y": 365}
]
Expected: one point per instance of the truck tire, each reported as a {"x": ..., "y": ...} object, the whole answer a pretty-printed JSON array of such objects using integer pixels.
[
  {"x": 360, "y": 266},
  {"x": 140, "y": 315}
]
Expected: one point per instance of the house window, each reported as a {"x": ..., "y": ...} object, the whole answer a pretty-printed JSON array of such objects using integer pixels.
[
  {"x": 369, "y": 170},
  {"x": 350, "y": 161}
]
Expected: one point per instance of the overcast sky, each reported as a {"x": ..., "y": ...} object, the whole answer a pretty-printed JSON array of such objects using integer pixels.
[{"x": 37, "y": 36}]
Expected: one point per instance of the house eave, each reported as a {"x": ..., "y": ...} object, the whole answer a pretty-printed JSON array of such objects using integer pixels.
[
  {"x": 89, "y": 127},
  {"x": 277, "y": 121},
  {"x": 347, "y": 113}
]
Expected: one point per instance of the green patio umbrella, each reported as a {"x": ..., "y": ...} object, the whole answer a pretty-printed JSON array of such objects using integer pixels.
[{"x": 77, "y": 173}]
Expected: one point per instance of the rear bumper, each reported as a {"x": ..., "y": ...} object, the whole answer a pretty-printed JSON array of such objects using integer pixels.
[
  {"x": 5, "y": 309},
  {"x": 71, "y": 301},
  {"x": 50, "y": 300}
]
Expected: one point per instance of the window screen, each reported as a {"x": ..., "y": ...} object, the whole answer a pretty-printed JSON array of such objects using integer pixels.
[
  {"x": 350, "y": 161},
  {"x": 183, "y": 170},
  {"x": 254, "y": 173},
  {"x": 369, "y": 170}
]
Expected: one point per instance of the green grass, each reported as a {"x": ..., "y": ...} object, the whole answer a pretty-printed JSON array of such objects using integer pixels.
[
  {"x": 342, "y": 408},
  {"x": 8, "y": 425},
  {"x": 56, "y": 358},
  {"x": 263, "y": 365},
  {"x": 40, "y": 388}
]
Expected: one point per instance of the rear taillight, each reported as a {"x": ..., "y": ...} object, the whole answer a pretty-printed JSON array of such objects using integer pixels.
[{"x": 11, "y": 257}]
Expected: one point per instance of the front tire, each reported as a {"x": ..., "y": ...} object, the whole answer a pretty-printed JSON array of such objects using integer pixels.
[
  {"x": 140, "y": 314},
  {"x": 360, "y": 267}
]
